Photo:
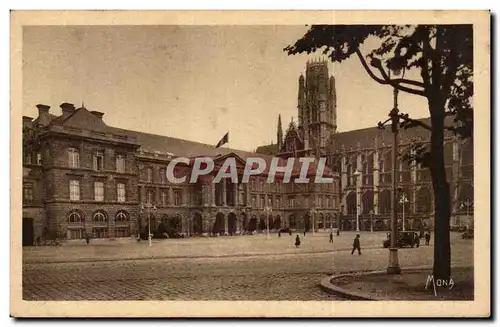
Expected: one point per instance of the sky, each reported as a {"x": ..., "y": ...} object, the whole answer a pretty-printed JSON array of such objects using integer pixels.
[{"x": 192, "y": 82}]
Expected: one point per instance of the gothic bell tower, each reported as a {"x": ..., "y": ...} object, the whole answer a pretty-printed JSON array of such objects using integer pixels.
[{"x": 317, "y": 105}]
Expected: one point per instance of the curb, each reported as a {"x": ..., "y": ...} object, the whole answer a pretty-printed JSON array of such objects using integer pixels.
[{"x": 328, "y": 286}]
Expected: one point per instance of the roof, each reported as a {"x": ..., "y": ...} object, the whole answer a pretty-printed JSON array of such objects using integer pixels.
[
  {"x": 271, "y": 149},
  {"x": 366, "y": 137}
]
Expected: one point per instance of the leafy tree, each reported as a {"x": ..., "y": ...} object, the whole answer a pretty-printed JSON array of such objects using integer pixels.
[{"x": 443, "y": 57}]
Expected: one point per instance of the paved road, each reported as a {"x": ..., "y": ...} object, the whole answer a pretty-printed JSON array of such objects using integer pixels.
[{"x": 273, "y": 277}]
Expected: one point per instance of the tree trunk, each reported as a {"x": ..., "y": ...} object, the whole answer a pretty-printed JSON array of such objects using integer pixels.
[{"x": 442, "y": 212}]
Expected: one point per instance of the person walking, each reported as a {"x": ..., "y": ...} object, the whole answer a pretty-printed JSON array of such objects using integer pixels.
[
  {"x": 297, "y": 241},
  {"x": 356, "y": 245},
  {"x": 331, "y": 237},
  {"x": 427, "y": 238},
  {"x": 87, "y": 239},
  {"x": 338, "y": 231},
  {"x": 279, "y": 233}
]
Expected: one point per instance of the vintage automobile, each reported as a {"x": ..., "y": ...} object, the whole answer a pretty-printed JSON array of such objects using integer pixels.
[
  {"x": 468, "y": 234},
  {"x": 407, "y": 238}
]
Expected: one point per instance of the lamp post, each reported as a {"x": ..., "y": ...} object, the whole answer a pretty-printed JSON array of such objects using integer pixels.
[
  {"x": 371, "y": 221},
  {"x": 313, "y": 215},
  {"x": 357, "y": 173},
  {"x": 467, "y": 205},
  {"x": 394, "y": 118},
  {"x": 267, "y": 210},
  {"x": 403, "y": 200},
  {"x": 148, "y": 207}
]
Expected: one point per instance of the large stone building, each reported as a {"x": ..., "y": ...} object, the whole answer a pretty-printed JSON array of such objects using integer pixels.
[
  {"x": 368, "y": 151},
  {"x": 82, "y": 177}
]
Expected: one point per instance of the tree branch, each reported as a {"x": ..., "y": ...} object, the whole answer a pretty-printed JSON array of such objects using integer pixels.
[
  {"x": 385, "y": 81},
  {"x": 415, "y": 122}
]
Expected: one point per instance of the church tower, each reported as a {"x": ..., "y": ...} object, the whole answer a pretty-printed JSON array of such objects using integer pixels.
[
  {"x": 317, "y": 105},
  {"x": 280, "y": 134}
]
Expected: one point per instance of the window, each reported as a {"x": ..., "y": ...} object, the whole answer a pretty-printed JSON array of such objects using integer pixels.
[
  {"x": 73, "y": 158},
  {"x": 149, "y": 196},
  {"x": 121, "y": 216},
  {"x": 99, "y": 217},
  {"x": 122, "y": 232},
  {"x": 120, "y": 163},
  {"x": 262, "y": 201},
  {"x": 164, "y": 197},
  {"x": 76, "y": 234},
  {"x": 27, "y": 159},
  {"x": 270, "y": 201},
  {"x": 98, "y": 191},
  {"x": 99, "y": 232},
  {"x": 177, "y": 197},
  {"x": 28, "y": 192},
  {"x": 75, "y": 218},
  {"x": 278, "y": 202},
  {"x": 254, "y": 201},
  {"x": 74, "y": 190},
  {"x": 120, "y": 192},
  {"x": 99, "y": 160},
  {"x": 149, "y": 176},
  {"x": 163, "y": 176}
]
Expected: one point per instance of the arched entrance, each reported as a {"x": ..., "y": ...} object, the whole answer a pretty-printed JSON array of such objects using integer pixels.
[
  {"x": 176, "y": 223},
  {"x": 197, "y": 224},
  {"x": 292, "y": 222},
  {"x": 219, "y": 227},
  {"x": 321, "y": 222},
  {"x": 351, "y": 203},
  {"x": 262, "y": 223},
  {"x": 231, "y": 224},
  {"x": 346, "y": 225},
  {"x": 307, "y": 223},
  {"x": 379, "y": 225},
  {"x": 244, "y": 220},
  {"x": 277, "y": 222},
  {"x": 417, "y": 224},
  {"x": 252, "y": 225}
]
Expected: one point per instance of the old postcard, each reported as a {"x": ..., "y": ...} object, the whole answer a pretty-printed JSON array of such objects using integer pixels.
[{"x": 250, "y": 164}]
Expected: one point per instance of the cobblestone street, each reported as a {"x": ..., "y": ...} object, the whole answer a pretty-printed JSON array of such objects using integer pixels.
[{"x": 265, "y": 277}]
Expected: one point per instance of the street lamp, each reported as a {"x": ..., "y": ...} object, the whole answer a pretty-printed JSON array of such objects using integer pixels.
[
  {"x": 267, "y": 210},
  {"x": 357, "y": 173},
  {"x": 371, "y": 220},
  {"x": 467, "y": 205},
  {"x": 403, "y": 200},
  {"x": 313, "y": 215},
  {"x": 148, "y": 206},
  {"x": 394, "y": 118}
]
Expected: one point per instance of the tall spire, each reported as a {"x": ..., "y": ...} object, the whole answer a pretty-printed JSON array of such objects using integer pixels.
[{"x": 280, "y": 133}]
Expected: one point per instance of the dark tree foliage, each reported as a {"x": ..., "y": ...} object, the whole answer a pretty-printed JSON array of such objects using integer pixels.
[{"x": 443, "y": 56}]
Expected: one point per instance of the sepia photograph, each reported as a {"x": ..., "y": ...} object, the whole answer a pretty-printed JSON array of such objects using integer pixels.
[{"x": 285, "y": 163}]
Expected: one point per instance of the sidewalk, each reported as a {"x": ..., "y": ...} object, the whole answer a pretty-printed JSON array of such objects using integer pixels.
[
  {"x": 209, "y": 247},
  {"x": 409, "y": 286}
]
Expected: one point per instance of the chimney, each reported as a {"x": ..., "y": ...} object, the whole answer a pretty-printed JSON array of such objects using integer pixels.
[
  {"x": 67, "y": 109},
  {"x": 43, "y": 114},
  {"x": 27, "y": 121},
  {"x": 98, "y": 114}
]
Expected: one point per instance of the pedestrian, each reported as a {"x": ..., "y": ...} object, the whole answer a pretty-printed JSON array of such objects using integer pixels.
[
  {"x": 338, "y": 231},
  {"x": 304, "y": 232},
  {"x": 279, "y": 233},
  {"x": 356, "y": 245},
  {"x": 417, "y": 240},
  {"x": 297, "y": 241},
  {"x": 427, "y": 238},
  {"x": 290, "y": 232},
  {"x": 87, "y": 239},
  {"x": 331, "y": 237}
]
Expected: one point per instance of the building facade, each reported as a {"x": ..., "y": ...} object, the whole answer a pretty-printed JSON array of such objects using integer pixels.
[
  {"x": 362, "y": 158},
  {"x": 82, "y": 177}
]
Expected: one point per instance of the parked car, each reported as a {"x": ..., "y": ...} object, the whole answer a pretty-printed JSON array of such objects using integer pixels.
[
  {"x": 406, "y": 238},
  {"x": 285, "y": 230},
  {"x": 468, "y": 234}
]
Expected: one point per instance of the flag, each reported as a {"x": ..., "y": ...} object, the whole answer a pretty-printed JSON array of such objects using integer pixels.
[{"x": 223, "y": 140}]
